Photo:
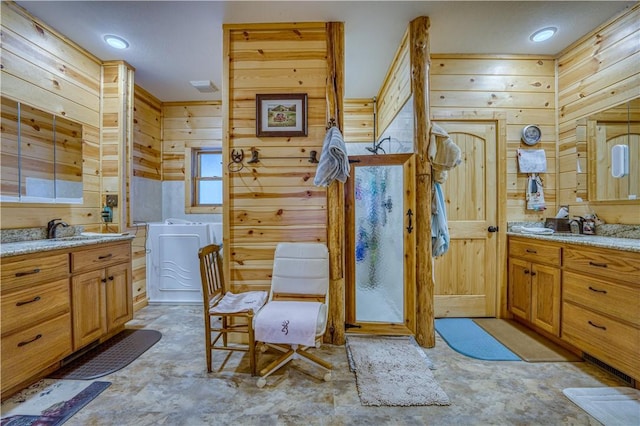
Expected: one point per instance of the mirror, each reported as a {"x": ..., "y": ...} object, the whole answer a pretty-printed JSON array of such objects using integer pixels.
[
  {"x": 597, "y": 135},
  {"x": 41, "y": 156}
]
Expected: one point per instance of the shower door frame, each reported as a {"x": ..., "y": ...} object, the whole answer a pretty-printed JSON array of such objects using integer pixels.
[{"x": 408, "y": 326}]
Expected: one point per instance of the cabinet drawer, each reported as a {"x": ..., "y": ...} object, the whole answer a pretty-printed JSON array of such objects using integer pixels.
[
  {"x": 100, "y": 257},
  {"x": 610, "y": 341},
  {"x": 616, "y": 300},
  {"x": 30, "y": 270},
  {"x": 617, "y": 266},
  {"x": 535, "y": 252},
  {"x": 28, "y": 352},
  {"x": 26, "y": 307}
]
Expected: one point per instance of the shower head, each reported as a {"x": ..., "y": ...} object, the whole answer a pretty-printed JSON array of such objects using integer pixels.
[{"x": 377, "y": 146}]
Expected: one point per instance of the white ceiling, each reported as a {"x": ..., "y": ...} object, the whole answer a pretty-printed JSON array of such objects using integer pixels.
[{"x": 173, "y": 42}]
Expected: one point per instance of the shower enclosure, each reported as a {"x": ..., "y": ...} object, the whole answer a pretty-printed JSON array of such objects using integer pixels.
[{"x": 380, "y": 218}]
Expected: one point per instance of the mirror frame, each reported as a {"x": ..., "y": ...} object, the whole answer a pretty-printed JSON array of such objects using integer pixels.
[
  {"x": 585, "y": 141},
  {"x": 42, "y": 138}
]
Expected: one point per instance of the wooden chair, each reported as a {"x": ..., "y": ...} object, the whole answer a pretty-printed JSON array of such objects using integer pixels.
[
  {"x": 229, "y": 307},
  {"x": 295, "y": 317}
]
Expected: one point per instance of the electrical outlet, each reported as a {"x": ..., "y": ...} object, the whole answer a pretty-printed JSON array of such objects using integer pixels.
[{"x": 112, "y": 200}]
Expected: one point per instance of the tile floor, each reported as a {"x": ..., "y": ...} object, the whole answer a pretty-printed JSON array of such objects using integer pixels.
[{"x": 169, "y": 385}]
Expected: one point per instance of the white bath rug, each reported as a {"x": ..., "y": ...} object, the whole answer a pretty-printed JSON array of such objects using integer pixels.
[
  {"x": 393, "y": 371},
  {"x": 611, "y": 406}
]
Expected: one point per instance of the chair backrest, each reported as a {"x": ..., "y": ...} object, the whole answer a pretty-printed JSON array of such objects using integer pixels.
[
  {"x": 211, "y": 273},
  {"x": 300, "y": 271}
]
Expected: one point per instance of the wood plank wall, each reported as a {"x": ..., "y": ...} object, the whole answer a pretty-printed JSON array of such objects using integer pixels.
[
  {"x": 45, "y": 70},
  {"x": 274, "y": 200},
  {"x": 188, "y": 124},
  {"x": 358, "y": 120},
  {"x": 520, "y": 87},
  {"x": 396, "y": 87},
  {"x": 147, "y": 135},
  {"x": 117, "y": 133},
  {"x": 147, "y": 164},
  {"x": 597, "y": 72}
]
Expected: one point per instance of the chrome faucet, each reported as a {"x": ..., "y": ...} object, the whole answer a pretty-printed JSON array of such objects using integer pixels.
[{"x": 52, "y": 225}]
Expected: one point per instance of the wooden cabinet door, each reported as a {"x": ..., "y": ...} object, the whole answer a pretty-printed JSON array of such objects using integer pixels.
[
  {"x": 88, "y": 302},
  {"x": 519, "y": 288},
  {"x": 545, "y": 296},
  {"x": 119, "y": 303}
]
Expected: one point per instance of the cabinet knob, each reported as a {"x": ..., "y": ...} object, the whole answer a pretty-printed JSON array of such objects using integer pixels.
[
  {"x": 526, "y": 271},
  {"x": 111, "y": 278},
  {"x": 492, "y": 228},
  {"x": 104, "y": 280}
]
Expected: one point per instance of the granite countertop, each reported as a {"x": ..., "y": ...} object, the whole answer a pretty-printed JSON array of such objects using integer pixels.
[
  {"x": 626, "y": 244},
  {"x": 36, "y": 246}
]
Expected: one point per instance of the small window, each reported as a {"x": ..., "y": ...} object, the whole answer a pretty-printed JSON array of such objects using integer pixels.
[{"x": 206, "y": 177}]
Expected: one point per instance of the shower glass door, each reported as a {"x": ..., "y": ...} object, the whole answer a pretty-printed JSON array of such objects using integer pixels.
[{"x": 380, "y": 228}]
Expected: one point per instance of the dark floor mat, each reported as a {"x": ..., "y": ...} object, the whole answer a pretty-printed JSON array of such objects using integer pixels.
[{"x": 110, "y": 356}]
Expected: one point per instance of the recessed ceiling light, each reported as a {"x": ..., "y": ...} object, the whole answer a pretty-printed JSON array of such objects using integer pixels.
[
  {"x": 116, "y": 42},
  {"x": 543, "y": 34}
]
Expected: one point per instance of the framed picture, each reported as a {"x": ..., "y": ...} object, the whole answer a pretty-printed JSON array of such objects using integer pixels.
[{"x": 281, "y": 115}]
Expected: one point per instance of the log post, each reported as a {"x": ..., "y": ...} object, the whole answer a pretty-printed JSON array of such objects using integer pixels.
[
  {"x": 420, "y": 59},
  {"x": 335, "y": 192}
]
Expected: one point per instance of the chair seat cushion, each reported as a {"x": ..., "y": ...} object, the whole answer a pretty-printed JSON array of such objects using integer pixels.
[
  {"x": 239, "y": 302},
  {"x": 290, "y": 322}
]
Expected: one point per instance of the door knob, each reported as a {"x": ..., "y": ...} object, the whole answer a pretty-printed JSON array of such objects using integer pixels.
[{"x": 492, "y": 228}]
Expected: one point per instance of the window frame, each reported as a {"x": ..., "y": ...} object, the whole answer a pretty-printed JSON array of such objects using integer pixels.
[{"x": 192, "y": 179}]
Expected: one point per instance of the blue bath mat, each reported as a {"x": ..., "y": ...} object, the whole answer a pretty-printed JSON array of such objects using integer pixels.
[{"x": 466, "y": 337}]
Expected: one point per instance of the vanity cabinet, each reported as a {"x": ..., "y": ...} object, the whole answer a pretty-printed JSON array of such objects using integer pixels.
[
  {"x": 101, "y": 292},
  {"x": 36, "y": 315},
  {"x": 55, "y": 302},
  {"x": 601, "y": 300},
  {"x": 586, "y": 296},
  {"x": 534, "y": 283}
]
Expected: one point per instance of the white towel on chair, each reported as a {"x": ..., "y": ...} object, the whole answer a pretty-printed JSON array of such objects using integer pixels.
[
  {"x": 287, "y": 322},
  {"x": 240, "y": 302}
]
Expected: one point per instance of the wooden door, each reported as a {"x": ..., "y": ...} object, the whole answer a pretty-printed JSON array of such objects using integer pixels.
[
  {"x": 545, "y": 297},
  {"x": 87, "y": 295},
  {"x": 380, "y": 244},
  {"x": 118, "y": 296},
  {"x": 466, "y": 278}
]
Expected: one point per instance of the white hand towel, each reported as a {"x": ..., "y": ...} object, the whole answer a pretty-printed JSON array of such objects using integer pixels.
[
  {"x": 532, "y": 160},
  {"x": 443, "y": 153},
  {"x": 334, "y": 162}
]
